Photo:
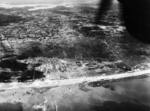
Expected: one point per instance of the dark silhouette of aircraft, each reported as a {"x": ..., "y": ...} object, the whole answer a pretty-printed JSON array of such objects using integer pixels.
[{"x": 136, "y": 16}]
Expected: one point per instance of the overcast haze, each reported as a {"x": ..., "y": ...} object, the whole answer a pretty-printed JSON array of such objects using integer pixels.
[{"x": 44, "y": 1}]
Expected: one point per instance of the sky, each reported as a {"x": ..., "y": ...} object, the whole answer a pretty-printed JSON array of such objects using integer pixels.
[
  {"x": 42, "y": 4},
  {"x": 45, "y": 1}
]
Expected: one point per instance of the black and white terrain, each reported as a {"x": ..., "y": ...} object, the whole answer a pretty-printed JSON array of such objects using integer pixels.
[{"x": 42, "y": 43}]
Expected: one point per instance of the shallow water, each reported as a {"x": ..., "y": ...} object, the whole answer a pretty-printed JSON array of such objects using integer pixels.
[{"x": 126, "y": 95}]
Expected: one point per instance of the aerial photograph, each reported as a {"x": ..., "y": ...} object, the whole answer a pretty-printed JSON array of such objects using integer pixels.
[{"x": 74, "y": 55}]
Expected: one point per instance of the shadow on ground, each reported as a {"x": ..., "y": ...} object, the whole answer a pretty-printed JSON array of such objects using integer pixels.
[
  {"x": 7, "y": 19},
  {"x": 12, "y": 70}
]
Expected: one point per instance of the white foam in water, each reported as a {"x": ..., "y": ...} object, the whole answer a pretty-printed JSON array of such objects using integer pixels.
[
  {"x": 46, "y": 4},
  {"x": 53, "y": 83},
  {"x": 5, "y": 5},
  {"x": 39, "y": 7},
  {"x": 31, "y": 6}
]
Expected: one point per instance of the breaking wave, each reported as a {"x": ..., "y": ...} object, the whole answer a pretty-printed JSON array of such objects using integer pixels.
[{"x": 33, "y": 7}]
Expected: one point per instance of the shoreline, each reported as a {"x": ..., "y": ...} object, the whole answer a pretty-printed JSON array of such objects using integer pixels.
[{"x": 59, "y": 83}]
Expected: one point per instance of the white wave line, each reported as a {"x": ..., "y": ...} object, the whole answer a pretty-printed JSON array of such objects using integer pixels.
[{"x": 55, "y": 83}]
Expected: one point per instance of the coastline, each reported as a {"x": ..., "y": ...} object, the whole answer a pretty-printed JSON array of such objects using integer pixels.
[{"x": 58, "y": 83}]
